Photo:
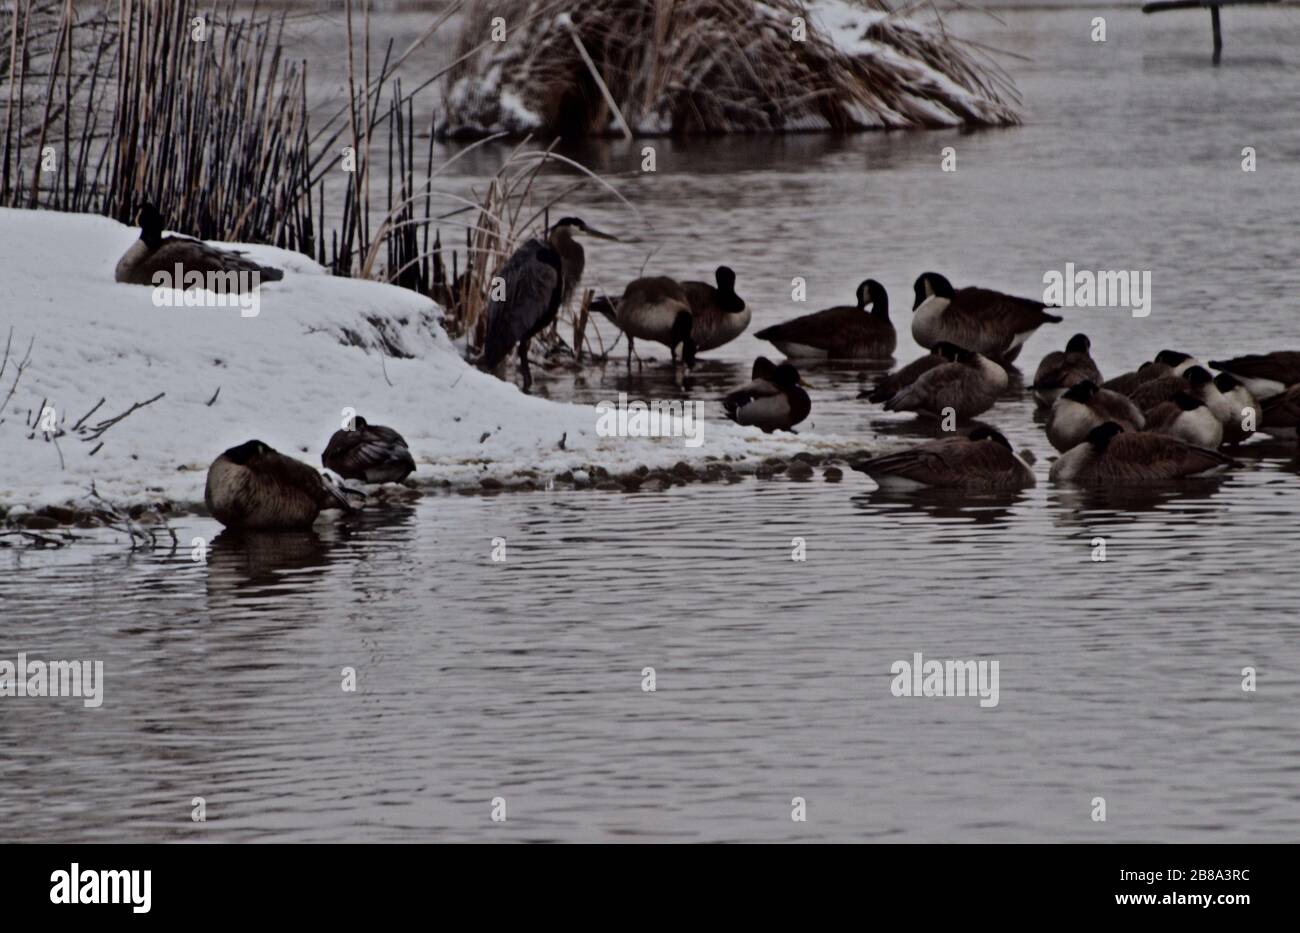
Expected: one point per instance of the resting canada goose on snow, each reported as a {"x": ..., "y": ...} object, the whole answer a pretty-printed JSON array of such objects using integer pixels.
[
  {"x": 654, "y": 308},
  {"x": 1188, "y": 419},
  {"x": 1264, "y": 374},
  {"x": 1083, "y": 407},
  {"x": 981, "y": 319},
  {"x": 370, "y": 453},
  {"x": 1282, "y": 413},
  {"x": 1111, "y": 456},
  {"x": 984, "y": 460},
  {"x": 154, "y": 253},
  {"x": 1126, "y": 383},
  {"x": 718, "y": 314},
  {"x": 777, "y": 403},
  {"x": 890, "y": 385},
  {"x": 252, "y": 486},
  {"x": 1061, "y": 369},
  {"x": 846, "y": 332},
  {"x": 969, "y": 385},
  {"x": 1241, "y": 404}
]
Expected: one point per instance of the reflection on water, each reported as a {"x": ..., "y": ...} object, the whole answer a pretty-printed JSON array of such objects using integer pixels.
[{"x": 522, "y": 678}]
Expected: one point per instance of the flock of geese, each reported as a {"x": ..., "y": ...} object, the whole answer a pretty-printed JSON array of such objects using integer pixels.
[{"x": 1165, "y": 420}]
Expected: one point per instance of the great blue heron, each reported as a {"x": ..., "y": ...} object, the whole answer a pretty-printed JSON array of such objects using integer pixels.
[{"x": 539, "y": 277}]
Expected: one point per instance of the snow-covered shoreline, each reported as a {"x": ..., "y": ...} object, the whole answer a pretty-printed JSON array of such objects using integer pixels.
[{"x": 319, "y": 344}]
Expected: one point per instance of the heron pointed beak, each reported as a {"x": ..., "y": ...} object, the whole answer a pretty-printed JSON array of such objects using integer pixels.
[{"x": 592, "y": 231}]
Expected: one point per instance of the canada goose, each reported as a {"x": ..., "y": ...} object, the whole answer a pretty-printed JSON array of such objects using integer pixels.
[
  {"x": 775, "y": 403},
  {"x": 655, "y": 309},
  {"x": 986, "y": 321},
  {"x": 1188, "y": 419},
  {"x": 1127, "y": 382},
  {"x": 253, "y": 486},
  {"x": 1112, "y": 456},
  {"x": 370, "y": 453},
  {"x": 892, "y": 384},
  {"x": 1193, "y": 381},
  {"x": 718, "y": 314},
  {"x": 154, "y": 254},
  {"x": 539, "y": 277},
  {"x": 1177, "y": 360},
  {"x": 841, "y": 332},
  {"x": 969, "y": 386},
  {"x": 984, "y": 460},
  {"x": 1242, "y": 405},
  {"x": 1264, "y": 374},
  {"x": 1282, "y": 413},
  {"x": 1061, "y": 369},
  {"x": 1083, "y": 407}
]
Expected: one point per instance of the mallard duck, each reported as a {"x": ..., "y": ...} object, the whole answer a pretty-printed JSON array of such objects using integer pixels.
[
  {"x": 253, "y": 486},
  {"x": 774, "y": 400},
  {"x": 154, "y": 254},
  {"x": 370, "y": 453},
  {"x": 969, "y": 385},
  {"x": 1061, "y": 369},
  {"x": 1083, "y": 407},
  {"x": 980, "y": 319},
  {"x": 1112, "y": 456},
  {"x": 862, "y": 331},
  {"x": 983, "y": 460}
]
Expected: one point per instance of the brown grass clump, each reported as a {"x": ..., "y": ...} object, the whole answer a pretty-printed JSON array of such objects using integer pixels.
[{"x": 715, "y": 66}]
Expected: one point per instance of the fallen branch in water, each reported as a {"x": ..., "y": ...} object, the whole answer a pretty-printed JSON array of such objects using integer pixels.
[{"x": 112, "y": 516}]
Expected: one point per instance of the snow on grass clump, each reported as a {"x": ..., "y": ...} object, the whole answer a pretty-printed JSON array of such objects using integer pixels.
[{"x": 318, "y": 344}]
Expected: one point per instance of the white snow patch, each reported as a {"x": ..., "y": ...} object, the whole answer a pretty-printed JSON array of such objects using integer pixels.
[{"x": 284, "y": 376}]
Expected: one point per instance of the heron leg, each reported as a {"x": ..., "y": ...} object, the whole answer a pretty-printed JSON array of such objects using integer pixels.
[
  {"x": 629, "y": 351},
  {"x": 523, "y": 363}
]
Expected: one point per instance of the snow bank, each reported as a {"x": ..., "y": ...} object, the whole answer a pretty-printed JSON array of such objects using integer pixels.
[{"x": 318, "y": 345}]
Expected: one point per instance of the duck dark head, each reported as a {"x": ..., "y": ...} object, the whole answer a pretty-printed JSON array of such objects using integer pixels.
[
  {"x": 728, "y": 300},
  {"x": 786, "y": 376},
  {"x": 928, "y": 285},
  {"x": 1187, "y": 402},
  {"x": 1198, "y": 376},
  {"x": 873, "y": 293},
  {"x": 763, "y": 369},
  {"x": 246, "y": 452},
  {"x": 359, "y": 423},
  {"x": 1101, "y": 436},
  {"x": 989, "y": 434},
  {"x": 1081, "y": 392},
  {"x": 151, "y": 223},
  {"x": 1079, "y": 343}
]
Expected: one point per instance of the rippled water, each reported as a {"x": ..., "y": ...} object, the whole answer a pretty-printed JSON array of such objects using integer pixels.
[{"x": 522, "y": 679}]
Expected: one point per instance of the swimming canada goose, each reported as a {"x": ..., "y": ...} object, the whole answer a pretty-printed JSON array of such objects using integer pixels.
[
  {"x": 1114, "y": 457},
  {"x": 718, "y": 314},
  {"x": 1188, "y": 419},
  {"x": 1061, "y": 369},
  {"x": 1194, "y": 381},
  {"x": 253, "y": 486},
  {"x": 981, "y": 319},
  {"x": 1242, "y": 404},
  {"x": 845, "y": 332},
  {"x": 983, "y": 460},
  {"x": 1264, "y": 374},
  {"x": 1282, "y": 413},
  {"x": 775, "y": 403},
  {"x": 654, "y": 308},
  {"x": 1127, "y": 382},
  {"x": 1083, "y": 407},
  {"x": 370, "y": 453},
  {"x": 154, "y": 253},
  {"x": 969, "y": 385},
  {"x": 892, "y": 384}
]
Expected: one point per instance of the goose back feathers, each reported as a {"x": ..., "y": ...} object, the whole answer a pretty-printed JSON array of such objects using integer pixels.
[
  {"x": 982, "y": 461},
  {"x": 1112, "y": 456},
  {"x": 980, "y": 319},
  {"x": 152, "y": 254},
  {"x": 861, "y": 331},
  {"x": 254, "y": 486},
  {"x": 371, "y": 453}
]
